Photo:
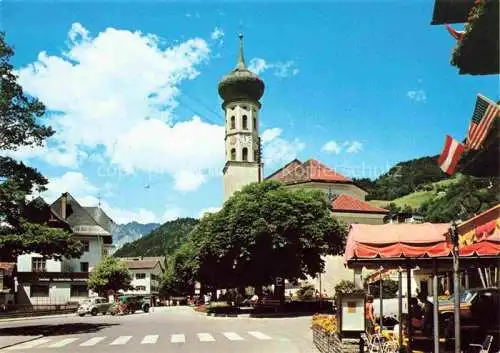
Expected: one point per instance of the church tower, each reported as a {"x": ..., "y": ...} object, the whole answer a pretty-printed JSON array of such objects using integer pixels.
[{"x": 241, "y": 91}]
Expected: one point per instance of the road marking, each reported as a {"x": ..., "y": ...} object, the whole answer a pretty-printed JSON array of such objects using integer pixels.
[
  {"x": 63, "y": 342},
  {"x": 205, "y": 337},
  {"x": 232, "y": 336},
  {"x": 149, "y": 339},
  {"x": 120, "y": 340},
  {"x": 177, "y": 338},
  {"x": 259, "y": 335},
  {"x": 93, "y": 341},
  {"x": 30, "y": 344}
]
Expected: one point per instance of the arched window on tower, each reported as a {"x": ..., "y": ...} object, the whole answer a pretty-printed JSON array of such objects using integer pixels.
[
  {"x": 233, "y": 122},
  {"x": 255, "y": 124},
  {"x": 233, "y": 154},
  {"x": 245, "y": 122},
  {"x": 255, "y": 155},
  {"x": 244, "y": 154}
]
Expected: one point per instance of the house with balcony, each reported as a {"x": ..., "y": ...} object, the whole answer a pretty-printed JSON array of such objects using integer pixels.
[
  {"x": 146, "y": 273},
  {"x": 42, "y": 280}
]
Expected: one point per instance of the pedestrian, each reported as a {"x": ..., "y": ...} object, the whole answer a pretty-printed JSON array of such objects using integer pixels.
[{"x": 370, "y": 315}]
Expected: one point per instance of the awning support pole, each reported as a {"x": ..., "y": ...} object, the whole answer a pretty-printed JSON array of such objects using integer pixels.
[
  {"x": 381, "y": 300},
  {"x": 400, "y": 306},
  {"x": 481, "y": 276},
  {"x": 408, "y": 296},
  {"x": 435, "y": 307},
  {"x": 456, "y": 285},
  {"x": 466, "y": 279}
]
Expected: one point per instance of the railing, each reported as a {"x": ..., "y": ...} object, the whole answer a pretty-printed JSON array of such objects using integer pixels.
[
  {"x": 51, "y": 276},
  {"x": 22, "y": 310}
]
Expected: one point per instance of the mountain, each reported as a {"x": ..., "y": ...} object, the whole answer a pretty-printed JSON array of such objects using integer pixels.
[
  {"x": 162, "y": 241},
  {"x": 127, "y": 233}
]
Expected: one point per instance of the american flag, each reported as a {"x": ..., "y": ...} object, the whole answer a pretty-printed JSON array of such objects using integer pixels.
[{"x": 483, "y": 117}]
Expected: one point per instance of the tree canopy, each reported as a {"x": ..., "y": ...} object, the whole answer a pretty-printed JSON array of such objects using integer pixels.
[
  {"x": 109, "y": 274},
  {"x": 20, "y": 126},
  {"x": 264, "y": 231}
]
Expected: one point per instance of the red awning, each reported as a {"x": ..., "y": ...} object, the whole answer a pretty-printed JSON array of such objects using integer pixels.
[
  {"x": 397, "y": 241},
  {"x": 488, "y": 246}
]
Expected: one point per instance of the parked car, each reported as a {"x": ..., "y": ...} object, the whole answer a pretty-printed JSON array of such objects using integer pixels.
[
  {"x": 93, "y": 306},
  {"x": 478, "y": 307},
  {"x": 129, "y": 304}
]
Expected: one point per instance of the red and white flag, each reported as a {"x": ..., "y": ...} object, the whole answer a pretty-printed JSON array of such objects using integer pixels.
[
  {"x": 485, "y": 113},
  {"x": 450, "y": 156}
]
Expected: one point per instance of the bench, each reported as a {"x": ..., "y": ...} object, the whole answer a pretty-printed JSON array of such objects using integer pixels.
[{"x": 269, "y": 303}]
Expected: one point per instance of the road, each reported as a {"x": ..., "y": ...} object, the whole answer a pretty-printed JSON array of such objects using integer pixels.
[{"x": 167, "y": 329}]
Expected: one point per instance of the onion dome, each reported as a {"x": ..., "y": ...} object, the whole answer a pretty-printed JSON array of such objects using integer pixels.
[{"x": 241, "y": 83}]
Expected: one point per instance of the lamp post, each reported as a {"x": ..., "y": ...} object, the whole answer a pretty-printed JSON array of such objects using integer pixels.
[{"x": 456, "y": 284}]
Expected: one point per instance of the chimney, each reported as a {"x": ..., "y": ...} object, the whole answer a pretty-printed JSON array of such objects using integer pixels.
[{"x": 64, "y": 202}]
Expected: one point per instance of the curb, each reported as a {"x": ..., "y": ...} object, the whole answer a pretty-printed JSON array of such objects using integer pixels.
[
  {"x": 21, "y": 342},
  {"x": 35, "y": 317}
]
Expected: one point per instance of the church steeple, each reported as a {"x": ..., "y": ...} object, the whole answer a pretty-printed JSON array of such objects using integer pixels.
[
  {"x": 241, "y": 58},
  {"x": 241, "y": 91}
]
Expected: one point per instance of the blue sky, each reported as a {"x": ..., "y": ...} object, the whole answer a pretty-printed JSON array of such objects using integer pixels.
[{"x": 359, "y": 86}]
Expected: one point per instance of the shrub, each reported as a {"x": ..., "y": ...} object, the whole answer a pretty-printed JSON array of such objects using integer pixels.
[
  {"x": 325, "y": 323},
  {"x": 306, "y": 292},
  {"x": 346, "y": 287}
]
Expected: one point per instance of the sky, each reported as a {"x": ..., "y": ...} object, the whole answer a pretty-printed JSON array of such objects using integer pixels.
[{"x": 131, "y": 90}]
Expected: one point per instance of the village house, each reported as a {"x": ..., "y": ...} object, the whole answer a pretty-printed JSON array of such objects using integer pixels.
[
  {"x": 50, "y": 281},
  {"x": 146, "y": 273}
]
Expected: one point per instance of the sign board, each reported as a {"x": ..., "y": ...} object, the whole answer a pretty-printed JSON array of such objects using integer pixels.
[
  {"x": 352, "y": 314},
  {"x": 279, "y": 282}
]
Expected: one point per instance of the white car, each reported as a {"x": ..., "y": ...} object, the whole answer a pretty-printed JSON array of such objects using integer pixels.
[{"x": 93, "y": 306}]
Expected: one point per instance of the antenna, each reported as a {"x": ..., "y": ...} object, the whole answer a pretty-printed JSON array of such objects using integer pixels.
[{"x": 99, "y": 200}]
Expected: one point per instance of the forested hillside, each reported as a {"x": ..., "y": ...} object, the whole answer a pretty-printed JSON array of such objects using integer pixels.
[{"x": 160, "y": 242}]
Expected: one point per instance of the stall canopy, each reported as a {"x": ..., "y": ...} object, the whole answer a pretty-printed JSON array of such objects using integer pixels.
[
  {"x": 487, "y": 246},
  {"x": 397, "y": 241}
]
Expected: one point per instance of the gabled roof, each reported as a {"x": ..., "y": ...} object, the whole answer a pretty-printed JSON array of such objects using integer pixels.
[
  {"x": 38, "y": 211},
  {"x": 346, "y": 203},
  {"x": 101, "y": 218},
  {"x": 311, "y": 170},
  {"x": 136, "y": 263},
  {"x": 80, "y": 221}
]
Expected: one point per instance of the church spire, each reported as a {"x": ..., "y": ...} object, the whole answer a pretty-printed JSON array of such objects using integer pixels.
[{"x": 241, "y": 58}]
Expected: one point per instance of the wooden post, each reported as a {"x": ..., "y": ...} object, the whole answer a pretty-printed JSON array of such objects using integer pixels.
[
  {"x": 408, "y": 297},
  {"x": 400, "y": 307},
  {"x": 381, "y": 299},
  {"x": 435, "y": 307}
]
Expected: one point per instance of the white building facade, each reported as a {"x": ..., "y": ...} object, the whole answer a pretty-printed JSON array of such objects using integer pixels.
[
  {"x": 49, "y": 281},
  {"x": 146, "y": 273}
]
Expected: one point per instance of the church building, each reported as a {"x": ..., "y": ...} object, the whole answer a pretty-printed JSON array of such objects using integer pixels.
[{"x": 241, "y": 91}]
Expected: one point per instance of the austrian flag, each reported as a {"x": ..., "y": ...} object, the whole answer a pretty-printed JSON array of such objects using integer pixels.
[{"x": 450, "y": 156}]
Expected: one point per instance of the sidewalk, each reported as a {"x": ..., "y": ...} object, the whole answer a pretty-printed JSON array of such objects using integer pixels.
[{"x": 8, "y": 341}]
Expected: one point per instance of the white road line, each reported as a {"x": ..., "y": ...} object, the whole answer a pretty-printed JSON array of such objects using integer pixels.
[
  {"x": 63, "y": 342},
  {"x": 30, "y": 344},
  {"x": 150, "y": 339},
  {"x": 120, "y": 340},
  {"x": 93, "y": 341},
  {"x": 232, "y": 336},
  {"x": 259, "y": 335},
  {"x": 205, "y": 337},
  {"x": 177, "y": 338}
]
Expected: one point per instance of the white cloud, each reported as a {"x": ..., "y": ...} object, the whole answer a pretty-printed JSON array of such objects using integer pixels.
[
  {"x": 270, "y": 134},
  {"x": 217, "y": 33},
  {"x": 280, "y": 69},
  {"x": 338, "y": 147},
  {"x": 417, "y": 95},
  {"x": 277, "y": 150},
  {"x": 116, "y": 91},
  {"x": 258, "y": 65},
  {"x": 331, "y": 147},
  {"x": 86, "y": 193},
  {"x": 208, "y": 210},
  {"x": 354, "y": 147}
]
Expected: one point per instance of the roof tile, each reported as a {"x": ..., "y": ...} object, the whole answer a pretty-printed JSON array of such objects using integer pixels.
[{"x": 346, "y": 203}]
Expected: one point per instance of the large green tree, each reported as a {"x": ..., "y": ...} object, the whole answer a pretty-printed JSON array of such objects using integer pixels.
[
  {"x": 263, "y": 232},
  {"x": 109, "y": 274},
  {"x": 20, "y": 126}
]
